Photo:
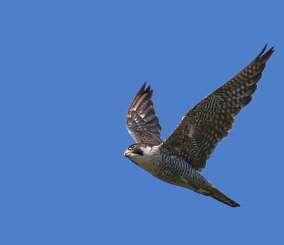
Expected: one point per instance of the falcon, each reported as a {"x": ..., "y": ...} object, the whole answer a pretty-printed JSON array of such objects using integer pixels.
[{"x": 180, "y": 158}]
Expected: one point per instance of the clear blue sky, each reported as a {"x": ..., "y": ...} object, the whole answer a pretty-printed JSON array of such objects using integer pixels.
[{"x": 68, "y": 72}]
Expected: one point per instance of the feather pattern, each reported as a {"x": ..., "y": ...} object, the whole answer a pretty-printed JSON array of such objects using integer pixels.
[
  {"x": 180, "y": 158},
  {"x": 142, "y": 122},
  {"x": 210, "y": 120}
]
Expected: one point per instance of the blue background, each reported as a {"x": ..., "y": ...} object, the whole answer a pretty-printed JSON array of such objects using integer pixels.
[{"x": 69, "y": 70}]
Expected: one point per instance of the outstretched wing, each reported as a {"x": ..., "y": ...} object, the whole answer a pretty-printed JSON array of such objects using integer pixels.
[
  {"x": 210, "y": 120},
  {"x": 142, "y": 122}
]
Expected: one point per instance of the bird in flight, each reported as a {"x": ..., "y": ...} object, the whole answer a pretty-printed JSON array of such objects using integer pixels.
[{"x": 180, "y": 158}]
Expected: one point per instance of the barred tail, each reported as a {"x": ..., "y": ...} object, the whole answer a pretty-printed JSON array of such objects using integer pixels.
[{"x": 218, "y": 195}]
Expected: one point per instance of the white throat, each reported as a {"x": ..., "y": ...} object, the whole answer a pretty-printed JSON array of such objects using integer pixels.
[{"x": 150, "y": 159}]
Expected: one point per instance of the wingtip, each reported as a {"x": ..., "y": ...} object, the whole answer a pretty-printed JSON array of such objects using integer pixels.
[
  {"x": 145, "y": 88},
  {"x": 265, "y": 54},
  {"x": 265, "y": 51},
  {"x": 272, "y": 49}
]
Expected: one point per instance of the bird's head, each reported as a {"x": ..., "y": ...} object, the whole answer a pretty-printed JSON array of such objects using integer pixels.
[{"x": 134, "y": 151}]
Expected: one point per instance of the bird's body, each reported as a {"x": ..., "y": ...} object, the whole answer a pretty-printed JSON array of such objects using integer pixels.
[
  {"x": 164, "y": 166},
  {"x": 180, "y": 158},
  {"x": 176, "y": 171}
]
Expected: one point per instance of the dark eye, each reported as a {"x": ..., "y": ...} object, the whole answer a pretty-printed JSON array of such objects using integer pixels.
[{"x": 131, "y": 147}]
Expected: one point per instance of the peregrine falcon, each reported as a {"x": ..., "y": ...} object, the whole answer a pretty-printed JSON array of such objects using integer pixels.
[{"x": 180, "y": 158}]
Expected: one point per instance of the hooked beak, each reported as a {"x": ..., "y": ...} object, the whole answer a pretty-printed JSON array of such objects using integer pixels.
[{"x": 127, "y": 153}]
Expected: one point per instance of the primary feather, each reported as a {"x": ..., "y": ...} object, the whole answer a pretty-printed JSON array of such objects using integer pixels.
[{"x": 180, "y": 158}]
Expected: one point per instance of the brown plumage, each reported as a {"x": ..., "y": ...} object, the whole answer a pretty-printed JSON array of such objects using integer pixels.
[
  {"x": 179, "y": 159},
  {"x": 142, "y": 122},
  {"x": 210, "y": 120}
]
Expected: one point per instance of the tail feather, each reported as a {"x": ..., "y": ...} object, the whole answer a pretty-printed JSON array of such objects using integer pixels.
[{"x": 218, "y": 195}]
